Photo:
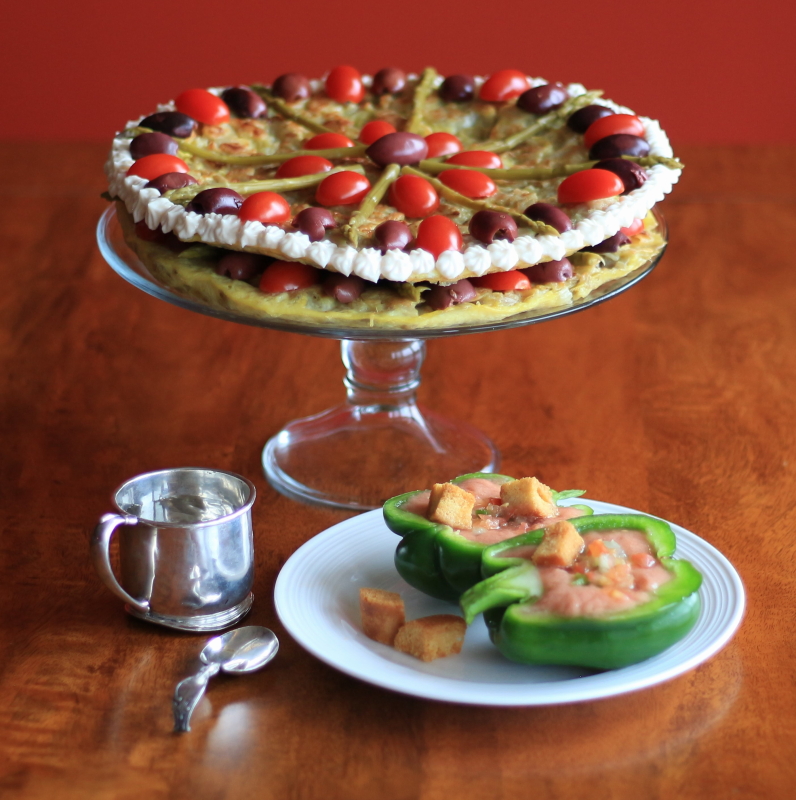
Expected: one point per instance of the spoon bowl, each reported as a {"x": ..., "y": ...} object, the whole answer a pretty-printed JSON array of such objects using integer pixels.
[{"x": 242, "y": 650}]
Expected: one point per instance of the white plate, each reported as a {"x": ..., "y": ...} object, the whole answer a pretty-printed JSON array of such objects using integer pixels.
[{"x": 317, "y": 600}]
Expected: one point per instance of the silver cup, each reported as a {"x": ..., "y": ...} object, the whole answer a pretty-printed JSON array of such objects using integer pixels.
[{"x": 186, "y": 549}]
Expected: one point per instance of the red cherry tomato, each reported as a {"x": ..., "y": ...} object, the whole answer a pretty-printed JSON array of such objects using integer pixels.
[
  {"x": 505, "y": 84},
  {"x": 608, "y": 126},
  {"x": 143, "y": 231},
  {"x": 375, "y": 130},
  {"x": 170, "y": 240},
  {"x": 634, "y": 228},
  {"x": 590, "y": 184},
  {"x": 327, "y": 141},
  {"x": 203, "y": 106},
  {"x": 151, "y": 167},
  {"x": 414, "y": 196},
  {"x": 344, "y": 84},
  {"x": 343, "y": 189},
  {"x": 510, "y": 281},
  {"x": 477, "y": 158},
  {"x": 303, "y": 165},
  {"x": 442, "y": 144},
  {"x": 288, "y": 276},
  {"x": 469, "y": 183},
  {"x": 265, "y": 207},
  {"x": 438, "y": 234}
]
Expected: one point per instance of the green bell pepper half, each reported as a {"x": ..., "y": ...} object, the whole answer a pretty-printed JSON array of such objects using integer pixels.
[
  {"x": 513, "y": 584},
  {"x": 434, "y": 558}
]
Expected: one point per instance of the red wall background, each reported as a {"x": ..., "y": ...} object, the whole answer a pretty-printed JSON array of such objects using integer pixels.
[{"x": 711, "y": 72}]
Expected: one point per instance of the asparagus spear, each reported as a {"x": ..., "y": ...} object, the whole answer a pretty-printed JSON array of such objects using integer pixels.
[
  {"x": 357, "y": 151},
  {"x": 545, "y": 123},
  {"x": 286, "y": 111},
  {"x": 512, "y": 173},
  {"x": 423, "y": 89},
  {"x": 543, "y": 173},
  {"x": 369, "y": 203},
  {"x": 187, "y": 193},
  {"x": 468, "y": 202},
  {"x": 651, "y": 161}
]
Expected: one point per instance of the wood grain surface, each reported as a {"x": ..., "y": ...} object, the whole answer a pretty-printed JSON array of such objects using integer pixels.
[{"x": 678, "y": 398}]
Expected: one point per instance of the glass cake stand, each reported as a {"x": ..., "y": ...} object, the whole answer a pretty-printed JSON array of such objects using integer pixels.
[{"x": 380, "y": 442}]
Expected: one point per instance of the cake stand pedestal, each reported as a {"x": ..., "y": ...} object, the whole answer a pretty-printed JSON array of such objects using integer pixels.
[{"x": 380, "y": 442}]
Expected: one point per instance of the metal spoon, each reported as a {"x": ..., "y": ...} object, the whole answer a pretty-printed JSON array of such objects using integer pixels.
[{"x": 242, "y": 650}]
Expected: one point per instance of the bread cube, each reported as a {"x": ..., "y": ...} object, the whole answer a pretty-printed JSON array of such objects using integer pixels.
[
  {"x": 528, "y": 497},
  {"x": 432, "y": 637},
  {"x": 382, "y": 614},
  {"x": 451, "y": 505},
  {"x": 561, "y": 545}
]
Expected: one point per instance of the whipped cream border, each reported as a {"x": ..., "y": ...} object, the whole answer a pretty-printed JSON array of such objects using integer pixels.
[{"x": 369, "y": 263}]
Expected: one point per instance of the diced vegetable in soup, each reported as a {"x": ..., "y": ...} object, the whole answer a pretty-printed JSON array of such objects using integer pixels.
[{"x": 616, "y": 571}]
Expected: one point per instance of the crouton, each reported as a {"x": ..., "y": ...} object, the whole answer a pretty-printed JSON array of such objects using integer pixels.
[
  {"x": 382, "y": 614},
  {"x": 561, "y": 545},
  {"x": 432, "y": 637},
  {"x": 451, "y": 505},
  {"x": 528, "y": 497}
]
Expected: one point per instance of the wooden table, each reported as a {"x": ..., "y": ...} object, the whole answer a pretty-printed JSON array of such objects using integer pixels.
[{"x": 676, "y": 398}]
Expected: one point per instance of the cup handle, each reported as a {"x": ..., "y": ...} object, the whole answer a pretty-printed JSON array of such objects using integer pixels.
[{"x": 100, "y": 553}]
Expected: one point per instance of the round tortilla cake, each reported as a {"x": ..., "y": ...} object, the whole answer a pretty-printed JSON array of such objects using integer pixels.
[{"x": 536, "y": 153}]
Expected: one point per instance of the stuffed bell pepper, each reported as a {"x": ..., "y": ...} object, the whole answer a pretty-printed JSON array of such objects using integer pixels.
[
  {"x": 599, "y": 591},
  {"x": 446, "y": 529}
]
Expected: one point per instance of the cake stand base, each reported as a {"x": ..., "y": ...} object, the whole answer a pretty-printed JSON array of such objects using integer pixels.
[{"x": 380, "y": 443}]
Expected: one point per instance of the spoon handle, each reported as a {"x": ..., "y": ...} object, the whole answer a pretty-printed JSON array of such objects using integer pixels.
[{"x": 188, "y": 694}]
